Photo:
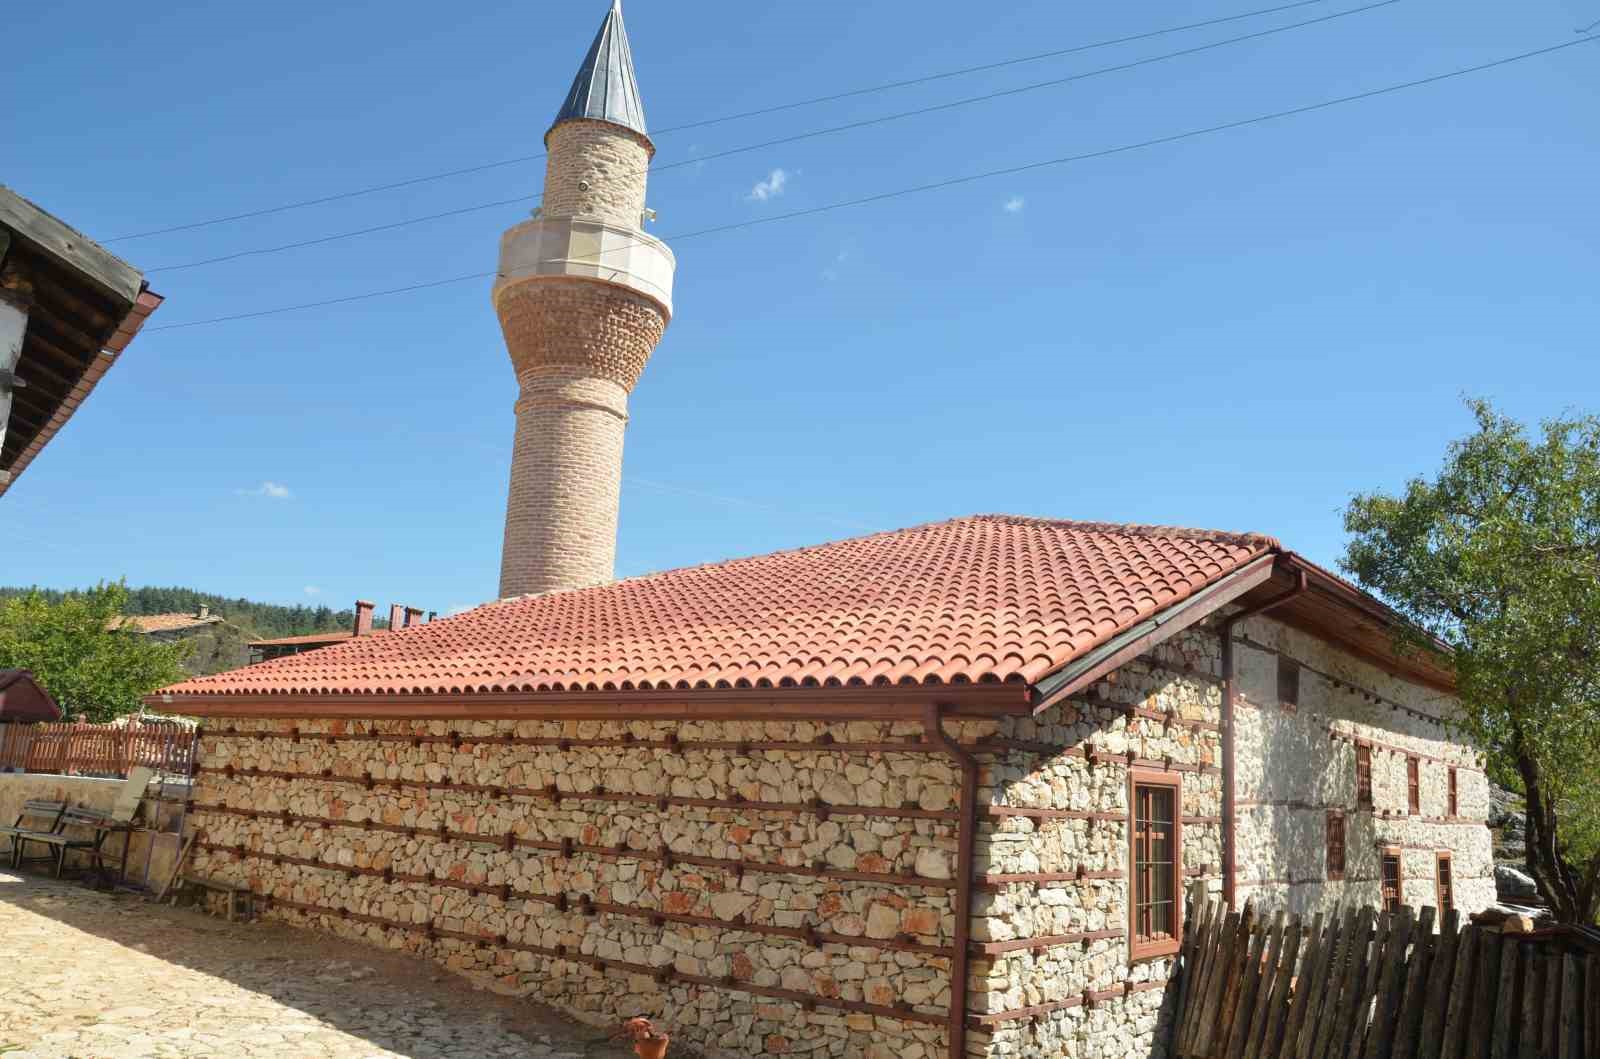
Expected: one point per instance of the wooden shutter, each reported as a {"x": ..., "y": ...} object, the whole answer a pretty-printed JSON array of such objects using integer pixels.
[
  {"x": 1335, "y": 843},
  {"x": 1413, "y": 786}
]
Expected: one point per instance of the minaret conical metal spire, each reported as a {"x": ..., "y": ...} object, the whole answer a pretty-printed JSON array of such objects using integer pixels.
[{"x": 606, "y": 88}]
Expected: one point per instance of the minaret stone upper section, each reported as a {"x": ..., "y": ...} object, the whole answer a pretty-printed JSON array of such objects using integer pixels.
[{"x": 583, "y": 296}]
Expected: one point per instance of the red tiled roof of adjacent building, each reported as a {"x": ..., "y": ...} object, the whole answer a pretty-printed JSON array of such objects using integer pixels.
[{"x": 985, "y": 599}]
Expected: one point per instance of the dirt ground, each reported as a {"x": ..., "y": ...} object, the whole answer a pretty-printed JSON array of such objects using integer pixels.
[{"x": 86, "y": 975}]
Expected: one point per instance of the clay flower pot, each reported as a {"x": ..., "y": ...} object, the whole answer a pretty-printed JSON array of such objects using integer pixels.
[
  {"x": 652, "y": 1047},
  {"x": 648, "y": 1042}
]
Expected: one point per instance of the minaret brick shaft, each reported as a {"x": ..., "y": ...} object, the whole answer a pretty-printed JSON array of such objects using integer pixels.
[{"x": 583, "y": 297}]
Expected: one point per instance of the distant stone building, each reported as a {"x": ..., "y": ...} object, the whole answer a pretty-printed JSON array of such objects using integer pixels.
[
  {"x": 213, "y": 644},
  {"x": 936, "y": 792}
]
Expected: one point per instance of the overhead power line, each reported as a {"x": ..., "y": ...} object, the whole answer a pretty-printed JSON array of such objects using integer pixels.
[
  {"x": 812, "y": 134},
  {"x": 761, "y": 112},
  {"x": 956, "y": 181}
]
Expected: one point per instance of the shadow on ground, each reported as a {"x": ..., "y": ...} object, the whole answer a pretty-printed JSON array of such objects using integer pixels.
[{"x": 88, "y": 979}]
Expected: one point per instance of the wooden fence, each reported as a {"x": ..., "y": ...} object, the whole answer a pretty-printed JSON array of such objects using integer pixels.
[
  {"x": 1366, "y": 985},
  {"x": 97, "y": 749}
]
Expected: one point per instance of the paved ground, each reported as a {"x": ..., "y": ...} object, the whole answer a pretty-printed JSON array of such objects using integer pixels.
[{"x": 85, "y": 975}]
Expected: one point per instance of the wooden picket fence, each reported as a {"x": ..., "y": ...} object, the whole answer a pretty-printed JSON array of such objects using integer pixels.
[
  {"x": 1366, "y": 985},
  {"x": 96, "y": 749}
]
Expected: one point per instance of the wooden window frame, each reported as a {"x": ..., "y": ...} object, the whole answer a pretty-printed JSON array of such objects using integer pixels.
[
  {"x": 1150, "y": 949},
  {"x": 1288, "y": 684},
  {"x": 1364, "y": 775},
  {"x": 1440, "y": 859},
  {"x": 1413, "y": 785},
  {"x": 1453, "y": 805},
  {"x": 1384, "y": 853},
  {"x": 1335, "y": 825}
]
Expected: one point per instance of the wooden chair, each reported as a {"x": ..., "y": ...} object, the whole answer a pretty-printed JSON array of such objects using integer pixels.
[
  {"x": 48, "y": 816},
  {"x": 60, "y": 843}
]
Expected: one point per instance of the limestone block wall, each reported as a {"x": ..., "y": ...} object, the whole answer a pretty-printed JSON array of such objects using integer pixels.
[
  {"x": 1298, "y": 760},
  {"x": 596, "y": 169},
  {"x": 1055, "y": 977},
  {"x": 762, "y": 888}
]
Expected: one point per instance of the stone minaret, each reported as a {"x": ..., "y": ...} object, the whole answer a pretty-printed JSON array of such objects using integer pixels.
[{"x": 583, "y": 297}]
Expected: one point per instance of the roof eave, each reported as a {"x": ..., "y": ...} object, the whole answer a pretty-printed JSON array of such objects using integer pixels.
[
  {"x": 849, "y": 702},
  {"x": 1159, "y": 627}
]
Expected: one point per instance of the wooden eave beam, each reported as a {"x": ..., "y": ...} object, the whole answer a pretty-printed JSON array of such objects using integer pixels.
[
  {"x": 68, "y": 248},
  {"x": 900, "y": 702}
]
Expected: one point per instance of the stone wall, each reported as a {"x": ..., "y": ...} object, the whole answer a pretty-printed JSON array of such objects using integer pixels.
[
  {"x": 766, "y": 888},
  {"x": 156, "y": 848},
  {"x": 796, "y": 885},
  {"x": 1077, "y": 993},
  {"x": 1298, "y": 760}
]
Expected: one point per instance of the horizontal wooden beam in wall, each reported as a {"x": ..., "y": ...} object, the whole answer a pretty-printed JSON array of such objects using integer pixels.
[
  {"x": 820, "y": 870},
  {"x": 824, "y": 743},
  {"x": 889, "y": 703},
  {"x": 1037, "y": 878},
  {"x": 996, "y": 948},
  {"x": 585, "y": 904},
  {"x": 816, "y": 807},
  {"x": 1089, "y": 999},
  {"x": 665, "y": 975}
]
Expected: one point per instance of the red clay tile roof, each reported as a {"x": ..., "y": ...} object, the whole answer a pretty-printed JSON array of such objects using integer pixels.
[
  {"x": 984, "y": 599},
  {"x": 313, "y": 638}
]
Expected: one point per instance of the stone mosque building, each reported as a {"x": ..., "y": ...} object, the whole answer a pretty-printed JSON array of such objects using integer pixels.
[{"x": 936, "y": 792}]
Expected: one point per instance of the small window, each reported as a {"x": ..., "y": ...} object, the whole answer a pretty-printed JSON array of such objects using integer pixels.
[
  {"x": 1156, "y": 859},
  {"x": 1444, "y": 882},
  {"x": 1454, "y": 798},
  {"x": 1364, "y": 776},
  {"x": 1413, "y": 786},
  {"x": 1288, "y": 683},
  {"x": 1392, "y": 890},
  {"x": 1335, "y": 844}
]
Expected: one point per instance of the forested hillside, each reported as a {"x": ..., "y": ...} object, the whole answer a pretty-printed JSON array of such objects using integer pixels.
[{"x": 257, "y": 620}]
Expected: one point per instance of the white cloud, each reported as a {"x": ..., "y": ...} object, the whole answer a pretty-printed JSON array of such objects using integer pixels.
[
  {"x": 270, "y": 490},
  {"x": 1015, "y": 204},
  {"x": 313, "y": 590},
  {"x": 771, "y": 187},
  {"x": 831, "y": 273}
]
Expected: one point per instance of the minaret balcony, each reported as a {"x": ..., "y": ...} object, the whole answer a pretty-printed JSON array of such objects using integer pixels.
[{"x": 587, "y": 248}]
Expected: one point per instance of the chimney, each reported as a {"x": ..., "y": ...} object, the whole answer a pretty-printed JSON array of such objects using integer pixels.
[
  {"x": 205, "y": 612},
  {"x": 397, "y": 617},
  {"x": 364, "y": 617},
  {"x": 413, "y": 616}
]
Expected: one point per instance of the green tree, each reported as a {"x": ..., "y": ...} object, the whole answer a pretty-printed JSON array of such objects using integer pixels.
[
  {"x": 1499, "y": 556},
  {"x": 81, "y": 653}
]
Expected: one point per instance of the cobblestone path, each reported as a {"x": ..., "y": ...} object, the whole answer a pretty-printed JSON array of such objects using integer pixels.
[{"x": 93, "y": 976}]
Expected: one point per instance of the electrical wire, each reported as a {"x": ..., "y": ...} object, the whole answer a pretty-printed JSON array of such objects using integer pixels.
[
  {"x": 776, "y": 108},
  {"x": 797, "y": 137},
  {"x": 953, "y": 181}
]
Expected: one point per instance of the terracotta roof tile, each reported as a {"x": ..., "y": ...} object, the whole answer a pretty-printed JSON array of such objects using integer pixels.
[{"x": 974, "y": 600}]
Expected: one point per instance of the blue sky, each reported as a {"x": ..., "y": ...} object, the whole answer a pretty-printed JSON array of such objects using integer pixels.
[{"x": 1236, "y": 331}]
